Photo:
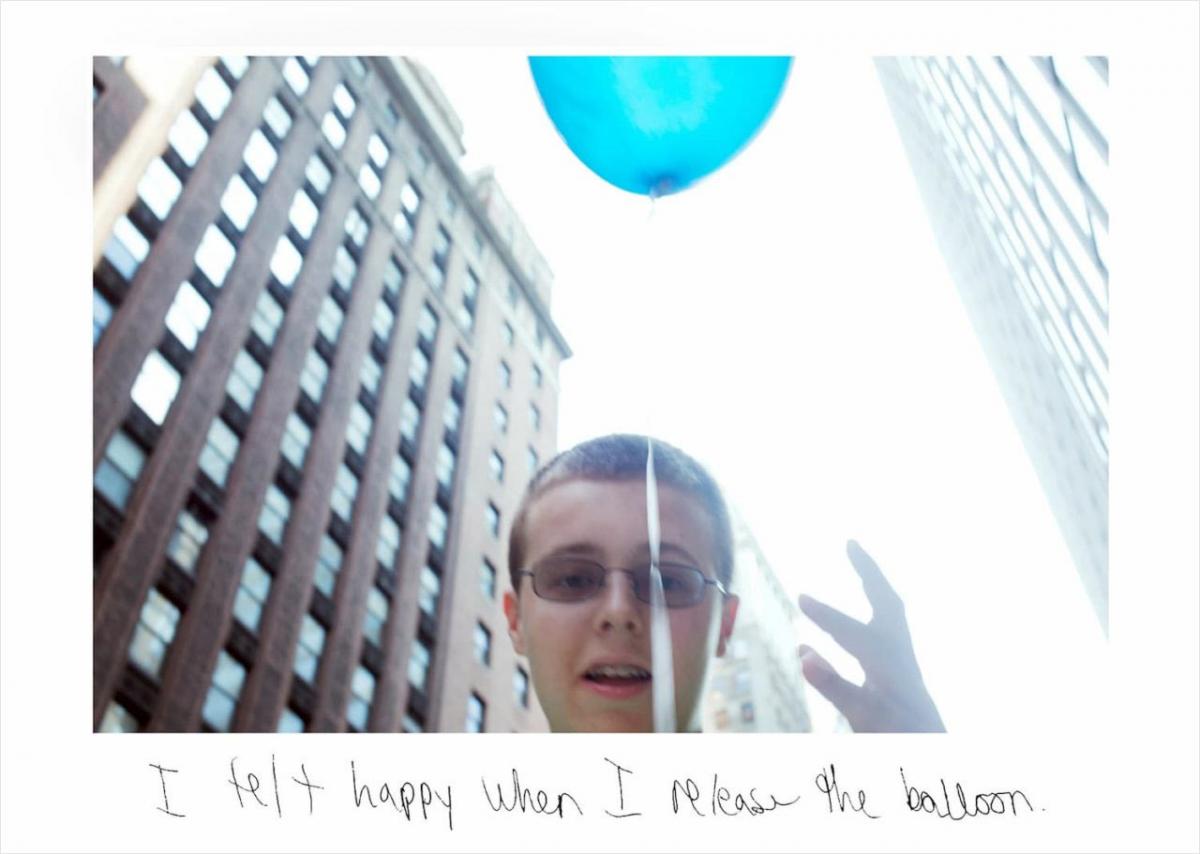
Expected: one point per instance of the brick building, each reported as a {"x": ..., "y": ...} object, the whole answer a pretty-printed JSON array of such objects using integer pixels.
[{"x": 324, "y": 370}]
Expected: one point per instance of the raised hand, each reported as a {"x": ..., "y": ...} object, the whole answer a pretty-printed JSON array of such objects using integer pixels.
[{"x": 892, "y": 697}]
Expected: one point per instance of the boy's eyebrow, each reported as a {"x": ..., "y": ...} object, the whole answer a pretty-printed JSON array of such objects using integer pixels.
[
  {"x": 666, "y": 546},
  {"x": 591, "y": 550}
]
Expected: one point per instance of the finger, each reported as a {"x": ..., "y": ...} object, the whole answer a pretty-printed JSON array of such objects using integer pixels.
[
  {"x": 846, "y": 697},
  {"x": 883, "y": 597},
  {"x": 852, "y": 635}
]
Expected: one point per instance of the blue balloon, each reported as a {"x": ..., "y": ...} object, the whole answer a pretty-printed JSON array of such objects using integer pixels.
[{"x": 655, "y": 125}]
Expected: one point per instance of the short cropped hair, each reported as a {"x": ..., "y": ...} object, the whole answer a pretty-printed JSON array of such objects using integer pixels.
[{"x": 618, "y": 457}]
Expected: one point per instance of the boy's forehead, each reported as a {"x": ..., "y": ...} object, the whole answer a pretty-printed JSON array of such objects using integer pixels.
[{"x": 576, "y": 506}]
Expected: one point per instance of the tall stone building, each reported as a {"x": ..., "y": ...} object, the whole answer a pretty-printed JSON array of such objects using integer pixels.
[{"x": 1011, "y": 158}]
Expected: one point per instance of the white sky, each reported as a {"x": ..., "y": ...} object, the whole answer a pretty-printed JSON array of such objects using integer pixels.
[{"x": 790, "y": 322}]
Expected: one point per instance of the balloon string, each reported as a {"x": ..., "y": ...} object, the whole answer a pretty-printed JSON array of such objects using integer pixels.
[{"x": 661, "y": 658}]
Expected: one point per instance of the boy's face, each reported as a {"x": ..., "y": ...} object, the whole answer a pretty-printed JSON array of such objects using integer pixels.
[{"x": 605, "y": 521}]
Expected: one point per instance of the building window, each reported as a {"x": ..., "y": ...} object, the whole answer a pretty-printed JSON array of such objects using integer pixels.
[
  {"x": 410, "y": 420},
  {"x": 127, "y": 248},
  {"x": 418, "y": 665},
  {"x": 358, "y": 430},
  {"x": 155, "y": 388},
  {"x": 521, "y": 687},
  {"x": 334, "y": 129},
  {"x": 117, "y": 718},
  {"x": 213, "y": 93},
  {"x": 487, "y": 579},
  {"x": 509, "y": 335},
  {"x": 296, "y": 438},
  {"x": 295, "y": 75},
  {"x": 405, "y": 221},
  {"x": 277, "y": 117},
  {"x": 531, "y": 461},
  {"x": 159, "y": 188},
  {"x": 500, "y": 418},
  {"x": 252, "y": 594},
  {"x": 445, "y": 466},
  {"x": 393, "y": 278},
  {"x": 438, "y": 522},
  {"x": 329, "y": 321},
  {"x": 377, "y": 151},
  {"x": 319, "y": 174},
  {"x": 289, "y": 721},
  {"x": 430, "y": 592},
  {"x": 535, "y": 417},
  {"x": 496, "y": 464},
  {"x": 410, "y": 724},
  {"x": 222, "y": 697},
  {"x": 388, "y": 545},
  {"x": 452, "y": 416},
  {"x": 343, "y": 101},
  {"x": 362, "y": 690},
  {"x": 214, "y": 255},
  {"x": 505, "y": 375},
  {"x": 273, "y": 519},
  {"x": 493, "y": 520},
  {"x": 476, "y": 710},
  {"x": 382, "y": 321},
  {"x": 260, "y": 156},
  {"x": 308, "y": 649},
  {"x": 427, "y": 324},
  {"x": 537, "y": 377},
  {"x": 236, "y": 65},
  {"x": 119, "y": 469},
  {"x": 422, "y": 159},
  {"x": 314, "y": 375},
  {"x": 451, "y": 205},
  {"x": 102, "y": 312},
  {"x": 268, "y": 316},
  {"x": 244, "y": 380},
  {"x": 357, "y": 226},
  {"x": 371, "y": 373},
  {"x": 188, "y": 137},
  {"x": 418, "y": 369},
  {"x": 286, "y": 261},
  {"x": 459, "y": 367},
  {"x": 220, "y": 449},
  {"x": 399, "y": 478},
  {"x": 483, "y": 644},
  {"x": 378, "y": 606},
  {"x": 187, "y": 541},
  {"x": 393, "y": 115},
  {"x": 441, "y": 257},
  {"x": 345, "y": 489},
  {"x": 154, "y": 633},
  {"x": 303, "y": 214},
  {"x": 344, "y": 268},
  {"x": 368, "y": 179},
  {"x": 480, "y": 247},
  {"x": 513, "y": 295},
  {"x": 188, "y": 315},
  {"x": 329, "y": 563}
]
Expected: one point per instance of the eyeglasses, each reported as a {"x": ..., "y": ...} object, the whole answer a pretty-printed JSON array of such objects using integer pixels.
[{"x": 570, "y": 579}]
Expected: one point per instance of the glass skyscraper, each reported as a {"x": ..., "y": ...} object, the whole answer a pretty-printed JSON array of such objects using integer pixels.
[{"x": 1011, "y": 158}]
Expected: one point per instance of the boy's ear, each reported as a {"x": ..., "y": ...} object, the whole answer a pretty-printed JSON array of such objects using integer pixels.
[
  {"x": 513, "y": 615},
  {"x": 728, "y": 616}
]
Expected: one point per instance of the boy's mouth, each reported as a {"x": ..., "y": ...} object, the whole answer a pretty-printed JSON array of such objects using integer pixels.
[{"x": 617, "y": 681}]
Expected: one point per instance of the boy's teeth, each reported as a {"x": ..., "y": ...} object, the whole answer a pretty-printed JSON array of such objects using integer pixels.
[{"x": 619, "y": 671}]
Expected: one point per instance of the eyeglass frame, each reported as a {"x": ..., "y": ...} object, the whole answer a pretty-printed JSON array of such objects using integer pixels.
[{"x": 715, "y": 582}]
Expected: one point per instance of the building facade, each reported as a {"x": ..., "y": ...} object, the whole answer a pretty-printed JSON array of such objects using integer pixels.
[
  {"x": 757, "y": 686},
  {"x": 322, "y": 379},
  {"x": 1011, "y": 158}
]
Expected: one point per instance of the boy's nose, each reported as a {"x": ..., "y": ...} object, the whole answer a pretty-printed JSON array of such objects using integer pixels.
[{"x": 619, "y": 607}]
